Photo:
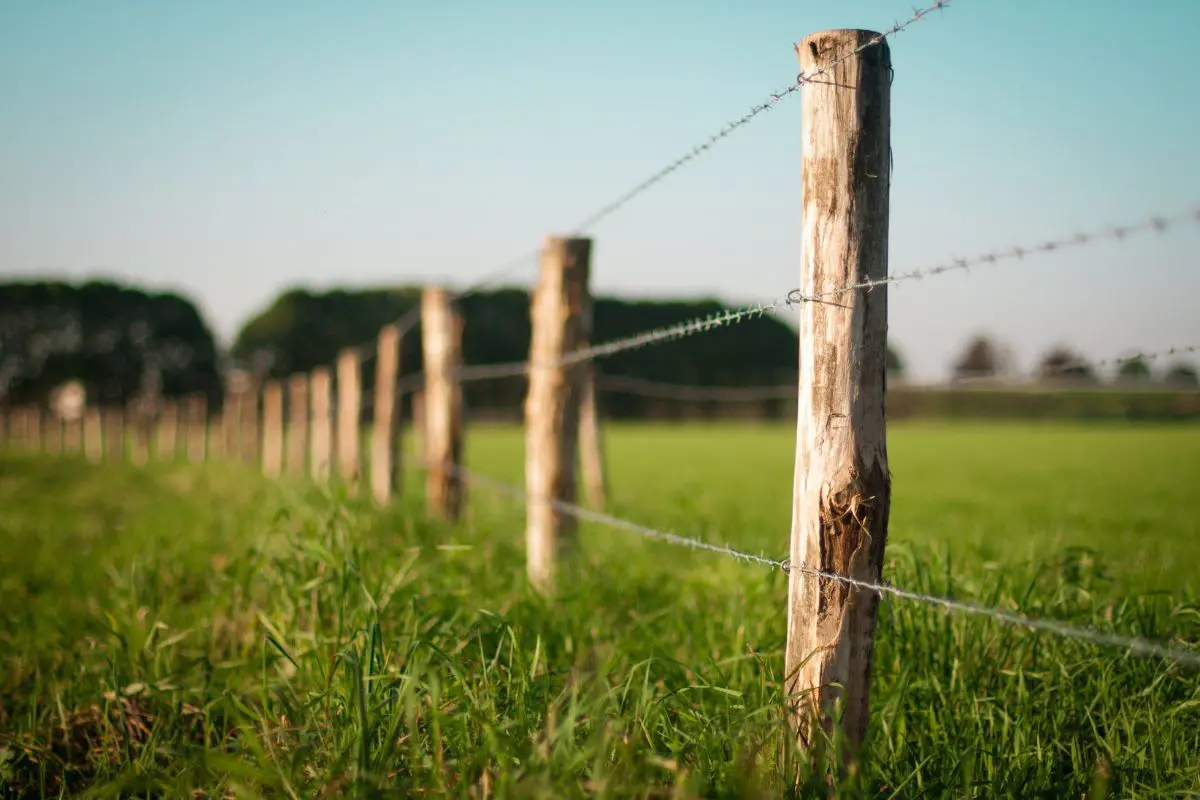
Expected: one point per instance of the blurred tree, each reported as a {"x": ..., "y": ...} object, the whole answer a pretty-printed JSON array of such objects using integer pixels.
[
  {"x": 981, "y": 358},
  {"x": 1062, "y": 364},
  {"x": 114, "y": 339},
  {"x": 895, "y": 363},
  {"x": 301, "y": 330},
  {"x": 1134, "y": 371},
  {"x": 1182, "y": 376}
]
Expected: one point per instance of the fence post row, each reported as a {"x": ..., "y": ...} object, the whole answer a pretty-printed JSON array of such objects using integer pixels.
[
  {"x": 93, "y": 434},
  {"x": 168, "y": 431},
  {"x": 196, "y": 409},
  {"x": 272, "y": 445},
  {"x": 349, "y": 412},
  {"x": 138, "y": 420},
  {"x": 559, "y": 314},
  {"x": 297, "y": 427},
  {"x": 441, "y": 341},
  {"x": 842, "y": 483},
  {"x": 322, "y": 423},
  {"x": 385, "y": 451}
]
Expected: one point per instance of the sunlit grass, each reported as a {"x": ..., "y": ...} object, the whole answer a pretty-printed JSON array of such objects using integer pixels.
[{"x": 180, "y": 629}]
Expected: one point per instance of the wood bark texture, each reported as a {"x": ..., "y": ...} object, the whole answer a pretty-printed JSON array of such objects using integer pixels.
[
  {"x": 114, "y": 435},
  {"x": 441, "y": 342},
  {"x": 842, "y": 488},
  {"x": 93, "y": 435},
  {"x": 385, "y": 433},
  {"x": 349, "y": 414},
  {"x": 321, "y": 386},
  {"x": 196, "y": 420},
  {"x": 297, "y": 425},
  {"x": 272, "y": 446},
  {"x": 560, "y": 311},
  {"x": 168, "y": 432}
]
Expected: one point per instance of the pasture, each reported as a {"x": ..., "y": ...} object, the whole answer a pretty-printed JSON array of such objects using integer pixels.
[{"x": 180, "y": 631}]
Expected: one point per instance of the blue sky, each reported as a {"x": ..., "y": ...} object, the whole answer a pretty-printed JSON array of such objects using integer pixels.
[{"x": 231, "y": 150}]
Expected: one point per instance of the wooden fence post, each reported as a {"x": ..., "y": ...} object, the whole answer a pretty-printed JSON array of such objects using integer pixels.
[
  {"x": 272, "y": 444},
  {"x": 72, "y": 435},
  {"x": 168, "y": 431},
  {"x": 37, "y": 432},
  {"x": 139, "y": 420},
  {"x": 229, "y": 426},
  {"x": 114, "y": 434},
  {"x": 248, "y": 425},
  {"x": 349, "y": 414},
  {"x": 197, "y": 428},
  {"x": 441, "y": 341},
  {"x": 297, "y": 426},
  {"x": 842, "y": 489},
  {"x": 385, "y": 451},
  {"x": 55, "y": 427},
  {"x": 558, "y": 314},
  {"x": 321, "y": 385},
  {"x": 591, "y": 446},
  {"x": 93, "y": 435}
]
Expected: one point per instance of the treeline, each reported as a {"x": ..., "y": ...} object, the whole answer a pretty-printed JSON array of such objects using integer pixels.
[
  {"x": 120, "y": 342},
  {"x": 302, "y": 330},
  {"x": 123, "y": 343}
]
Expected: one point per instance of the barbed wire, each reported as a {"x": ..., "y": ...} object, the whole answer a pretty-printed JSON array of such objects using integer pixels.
[
  {"x": 771, "y": 101},
  {"x": 1119, "y": 233},
  {"x": 409, "y": 319},
  {"x": 1135, "y": 645}
]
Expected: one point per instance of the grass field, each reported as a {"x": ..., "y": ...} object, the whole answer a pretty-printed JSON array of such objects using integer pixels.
[{"x": 187, "y": 632}]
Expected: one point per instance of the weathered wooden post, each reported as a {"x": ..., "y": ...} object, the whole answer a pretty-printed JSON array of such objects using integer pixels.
[
  {"x": 297, "y": 426},
  {"x": 248, "y": 425},
  {"x": 349, "y": 415},
  {"x": 197, "y": 427},
  {"x": 230, "y": 418},
  {"x": 321, "y": 385},
  {"x": 55, "y": 427},
  {"x": 168, "y": 431},
  {"x": 272, "y": 445},
  {"x": 385, "y": 451},
  {"x": 842, "y": 489},
  {"x": 441, "y": 341},
  {"x": 559, "y": 313},
  {"x": 139, "y": 420},
  {"x": 93, "y": 434},
  {"x": 72, "y": 434},
  {"x": 114, "y": 435},
  {"x": 591, "y": 445}
]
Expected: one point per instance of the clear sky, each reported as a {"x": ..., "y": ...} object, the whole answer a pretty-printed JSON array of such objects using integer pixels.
[{"x": 232, "y": 149}]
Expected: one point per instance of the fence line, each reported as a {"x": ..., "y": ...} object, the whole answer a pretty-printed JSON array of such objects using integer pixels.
[
  {"x": 1135, "y": 645},
  {"x": 408, "y": 320},
  {"x": 1118, "y": 233}
]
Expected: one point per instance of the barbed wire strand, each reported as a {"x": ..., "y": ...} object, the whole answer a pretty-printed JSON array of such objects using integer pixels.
[
  {"x": 735, "y": 394},
  {"x": 1135, "y": 645},
  {"x": 1157, "y": 224},
  {"x": 409, "y": 319},
  {"x": 768, "y": 104},
  {"x": 796, "y": 296}
]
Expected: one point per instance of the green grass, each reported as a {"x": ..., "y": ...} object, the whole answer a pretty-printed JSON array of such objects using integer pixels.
[{"x": 177, "y": 630}]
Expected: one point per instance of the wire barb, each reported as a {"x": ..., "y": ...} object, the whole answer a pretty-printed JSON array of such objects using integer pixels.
[
  {"x": 1157, "y": 224},
  {"x": 770, "y": 102},
  {"x": 1135, "y": 645}
]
